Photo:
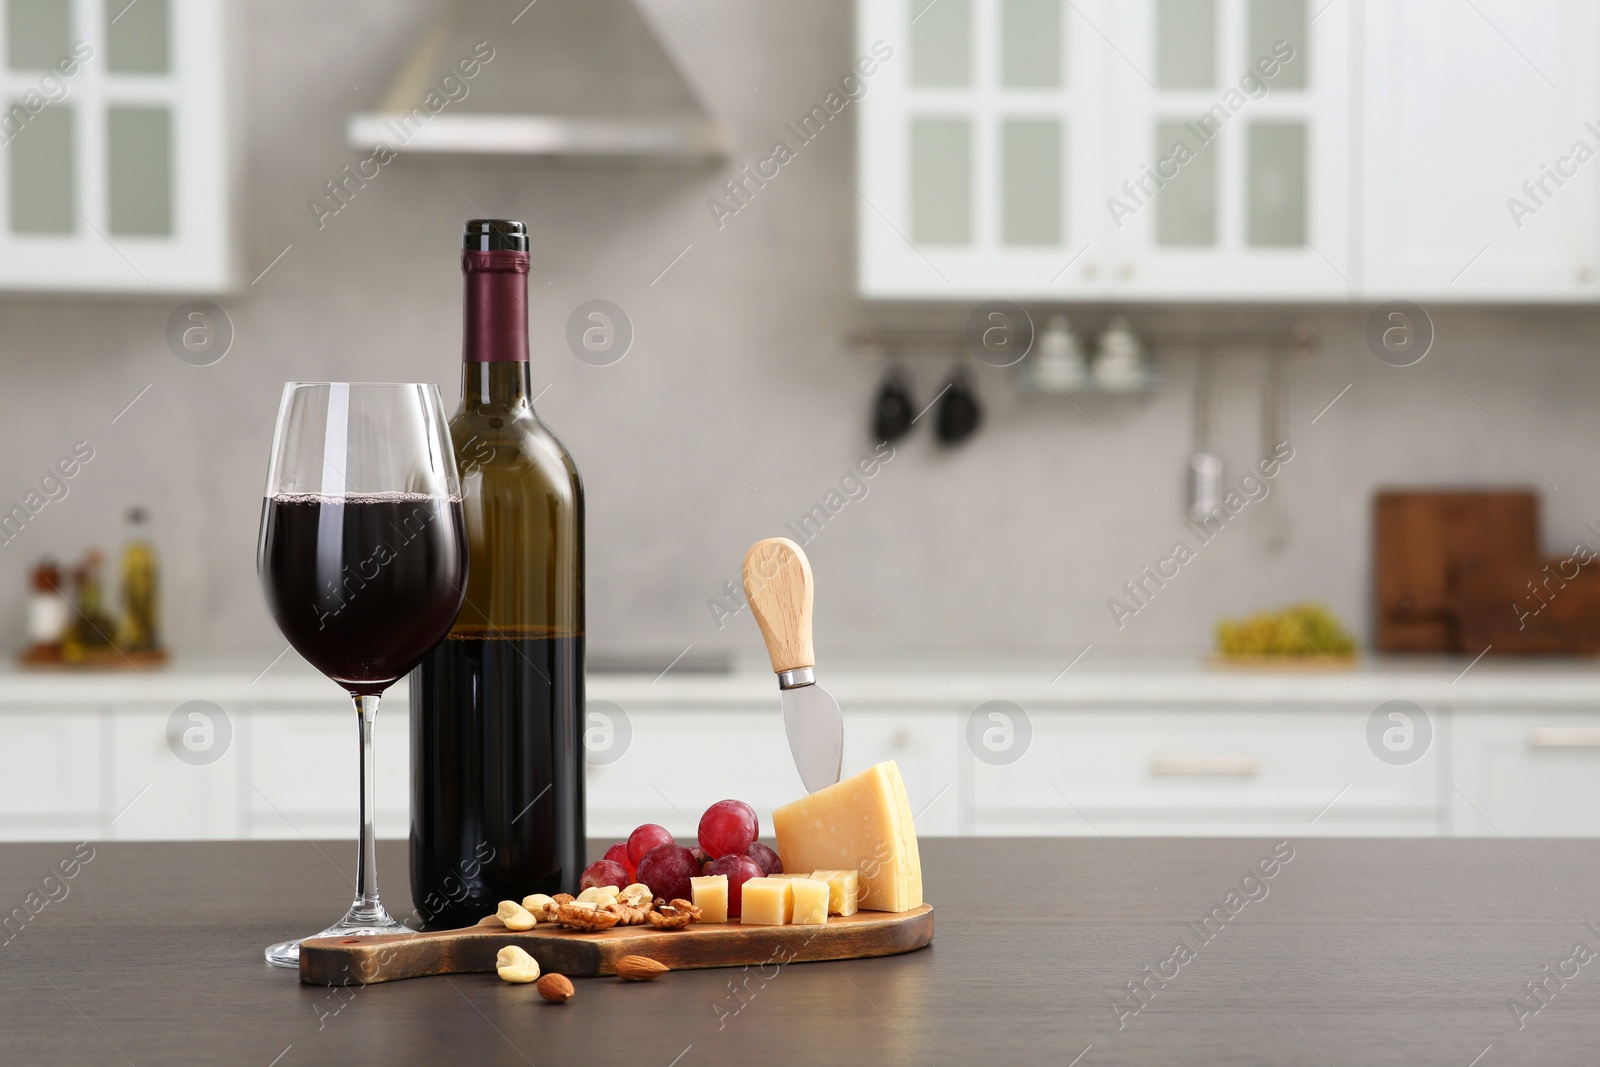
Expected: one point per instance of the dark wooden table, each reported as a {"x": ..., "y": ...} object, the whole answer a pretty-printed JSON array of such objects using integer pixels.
[{"x": 1358, "y": 953}]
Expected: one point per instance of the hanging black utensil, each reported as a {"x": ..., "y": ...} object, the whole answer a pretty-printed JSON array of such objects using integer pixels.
[
  {"x": 959, "y": 413},
  {"x": 892, "y": 410}
]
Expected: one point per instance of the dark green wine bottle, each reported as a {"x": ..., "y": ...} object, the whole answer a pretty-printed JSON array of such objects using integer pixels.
[{"x": 497, "y": 806}]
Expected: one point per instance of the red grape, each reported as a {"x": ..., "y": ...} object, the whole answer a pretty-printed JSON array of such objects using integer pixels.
[
  {"x": 667, "y": 870},
  {"x": 739, "y": 869},
  {"x": 603, "y": 872},
  {"x": 645, "y": 838},
  {"x": 618, "y": 854},
  {"x": 728, "y": 827},
  {"x": 765, "y": 858}
]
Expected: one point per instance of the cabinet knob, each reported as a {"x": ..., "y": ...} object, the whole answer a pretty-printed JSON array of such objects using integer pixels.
[
  {"x": 1127, "y": 270},
  {"x": 1586, "y": 274},
  {"x": 902, "y": 739},
  {"x": 1092, "y": 270}
]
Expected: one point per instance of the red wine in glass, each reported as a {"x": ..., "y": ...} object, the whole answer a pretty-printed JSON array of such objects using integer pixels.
[
  {"x": 363, "y": 559},
  {"x": 363, "y": 585}
]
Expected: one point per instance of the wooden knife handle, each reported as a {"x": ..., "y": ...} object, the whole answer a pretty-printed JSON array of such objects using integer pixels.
[{"x": 777, "y": 581}]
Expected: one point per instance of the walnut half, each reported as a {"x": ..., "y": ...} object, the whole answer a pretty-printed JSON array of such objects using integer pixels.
[
  {"x": 628, "y": 914},
  {"x": 581, "y": 918},
  {"x": 674, "y": 916}
]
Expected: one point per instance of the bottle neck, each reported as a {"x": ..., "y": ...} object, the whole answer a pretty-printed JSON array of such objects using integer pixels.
[
  {"x": 495, "y": 308},
  {"x": 505, "y": 384}
]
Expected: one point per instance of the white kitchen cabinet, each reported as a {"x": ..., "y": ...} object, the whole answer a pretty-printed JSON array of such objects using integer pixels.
[
  {"x": 1526, "y": 774},
  {"x": 1480, "y": 143},
  {"x": 1027, "y": 148},
  {"x": 115, "y": 148},
  {"x": 52, "y": 773},
  {"x": 1409, "y": 149},
  {"x": 1303, "y": 771},
  {"x": 153, "y": 794},
  {"x": 1230, "y": 151},
  {"x": 982, "y": 149},
  {"x": 300, "y": 770},
  {"x": 1119, "y": 751}
]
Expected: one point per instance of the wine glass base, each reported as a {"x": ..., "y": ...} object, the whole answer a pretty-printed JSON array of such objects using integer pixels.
[{"x": 287, "y": 953}]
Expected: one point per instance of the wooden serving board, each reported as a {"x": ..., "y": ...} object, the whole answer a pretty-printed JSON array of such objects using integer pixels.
[
  {"x": 1308, "y": 662},
  {"x": 92, "y": 659},
  {"x": 577, "y": 954}
]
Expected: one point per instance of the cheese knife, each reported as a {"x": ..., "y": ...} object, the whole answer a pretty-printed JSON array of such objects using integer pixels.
[{"x": 777, "y": 582}]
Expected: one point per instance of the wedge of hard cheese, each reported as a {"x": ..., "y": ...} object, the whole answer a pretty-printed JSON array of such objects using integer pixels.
[{"x": 861, "y": 824}]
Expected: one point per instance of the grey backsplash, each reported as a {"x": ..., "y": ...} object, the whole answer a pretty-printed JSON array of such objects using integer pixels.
[{"x": 738, "y": 408}]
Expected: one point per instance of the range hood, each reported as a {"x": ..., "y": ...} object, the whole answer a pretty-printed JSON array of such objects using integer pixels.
[{"x": 568, "y": 80}]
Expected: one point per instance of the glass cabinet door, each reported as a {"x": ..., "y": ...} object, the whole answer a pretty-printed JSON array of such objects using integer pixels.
[
  {"x": 982, "y": 140},
  {"x": 1232, "y": 150},
  {"x": 114, "y": 170},
  {"x": 1209, "y": 150}
]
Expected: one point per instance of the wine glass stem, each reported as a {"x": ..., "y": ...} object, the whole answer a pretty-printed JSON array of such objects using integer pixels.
[{"x": 366, "y": 903}]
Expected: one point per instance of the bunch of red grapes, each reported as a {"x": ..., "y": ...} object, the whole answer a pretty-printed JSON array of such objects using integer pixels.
[{"x": 728, "y": 845}]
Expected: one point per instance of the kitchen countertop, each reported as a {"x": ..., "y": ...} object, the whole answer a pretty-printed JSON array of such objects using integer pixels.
[
  {"x": 1354, "y": 952},
  {"x": 1095, "y": 680}
]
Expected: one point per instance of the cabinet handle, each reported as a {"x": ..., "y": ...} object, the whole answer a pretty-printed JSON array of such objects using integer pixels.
[
  {"x": 1242, "y": 766},
  {"x": 1564, "y": 737}
]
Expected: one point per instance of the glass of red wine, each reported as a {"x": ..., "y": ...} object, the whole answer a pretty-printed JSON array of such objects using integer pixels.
[{"x": 363, "y": 558}]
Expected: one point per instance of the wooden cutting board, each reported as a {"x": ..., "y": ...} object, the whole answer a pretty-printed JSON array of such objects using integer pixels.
[
  {"x": 1534, "y": 606},
  {"x": 577, "y": 954},
  {"x": 1423, "y": 539}
]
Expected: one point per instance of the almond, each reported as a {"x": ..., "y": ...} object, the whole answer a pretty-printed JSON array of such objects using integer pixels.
[
  {"x": 556, "y": 988},
  {"x": 640, "y": 969}
]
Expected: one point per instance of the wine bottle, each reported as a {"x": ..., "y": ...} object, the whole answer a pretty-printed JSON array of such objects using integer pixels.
[{"x": 497, "y": 809}]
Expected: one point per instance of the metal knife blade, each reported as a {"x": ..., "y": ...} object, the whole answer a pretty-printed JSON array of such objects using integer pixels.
[
  {"x": 778, "y": 585},
  {"x": 815, "y": 726}
]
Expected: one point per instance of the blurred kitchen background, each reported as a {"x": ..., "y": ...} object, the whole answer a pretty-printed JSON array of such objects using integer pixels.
[{"x": 1403, "y": 153}]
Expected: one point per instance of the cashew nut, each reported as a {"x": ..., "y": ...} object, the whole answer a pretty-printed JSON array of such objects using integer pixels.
[
  {"x": 535, "y": 902},
  {"x": 636, "y": 895},
  {"x": 515, "y": 916},
  {"x": 513, "y": 964},
  {"x": 599, "y": 894}
]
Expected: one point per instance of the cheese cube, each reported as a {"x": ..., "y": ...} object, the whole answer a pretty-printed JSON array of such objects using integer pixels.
[
  {"x": 710, "y": 895},
  {"x": 843, "y": 889},
  {"x": 810, "y": 901},
  {"x": 766, "y": 902},
  {"x": 863, "y": 824}
]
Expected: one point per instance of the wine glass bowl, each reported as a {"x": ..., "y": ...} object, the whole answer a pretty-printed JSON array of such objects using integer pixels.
[
  {"x": 359, "y": 582},
  {"x": 363, "y": 560}
]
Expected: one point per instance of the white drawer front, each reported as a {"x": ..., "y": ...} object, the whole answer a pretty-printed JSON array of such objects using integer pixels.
[
  {"x": 1198, "y": 771},
  {"x": 51, "y": 774},
  {"x": 301, "y": 771},
  {"x": 1526, "y": 774},
  {"x": 157, "y": 796}
]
